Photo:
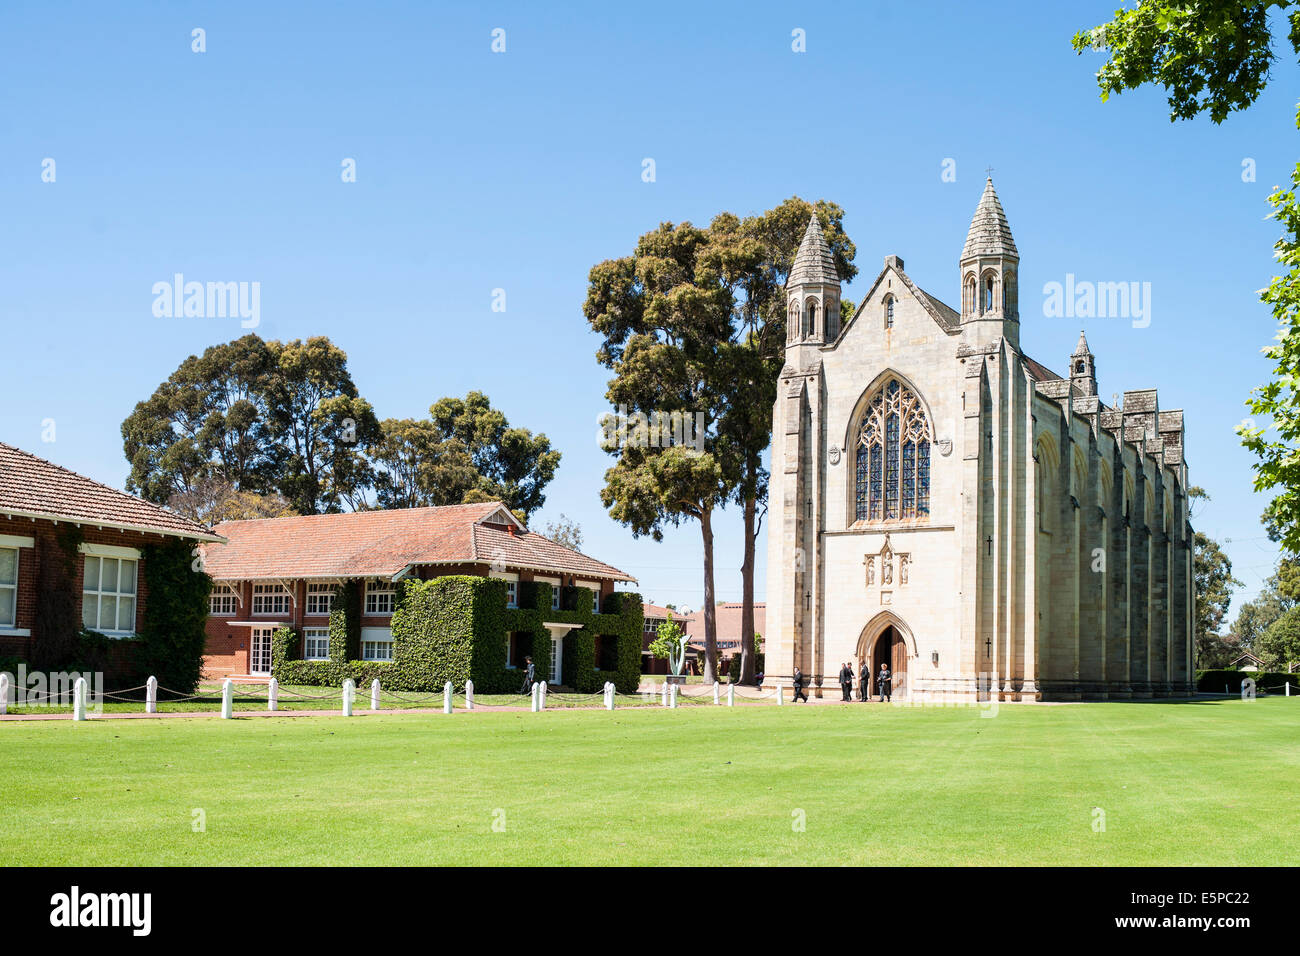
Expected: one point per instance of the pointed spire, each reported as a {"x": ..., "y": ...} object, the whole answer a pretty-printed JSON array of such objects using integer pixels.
[
  {"x": 989, "y": 234},
  {"x": 1082, "y": 347},
  {"x": 813, "y": 262}
]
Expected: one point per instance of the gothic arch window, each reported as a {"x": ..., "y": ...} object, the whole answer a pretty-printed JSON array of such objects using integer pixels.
[
  {"x": 810, "y": 316},
  {"x": 893, "y": 457},
  {"x": 968, "y": 294},
  {"x": 1009, "y": 294},
  {"x": 889, "y": 311},
  {"x": 987, "y": 296},
  {"x": 792, "y": 322},
  {"x": 1045, "y": 494}
]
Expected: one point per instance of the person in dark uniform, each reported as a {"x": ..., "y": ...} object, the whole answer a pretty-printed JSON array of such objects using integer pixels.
[
  {"x": 846, "y": 680},
  {"x": 884, "y": 681},
  {"x": 864, "y": 682},
  {"x": 798, "y": 686},
  {"x": 529, "y": 674}
]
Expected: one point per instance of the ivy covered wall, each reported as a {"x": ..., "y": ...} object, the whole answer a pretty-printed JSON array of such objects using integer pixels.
[{"x": 456, "y": 628}]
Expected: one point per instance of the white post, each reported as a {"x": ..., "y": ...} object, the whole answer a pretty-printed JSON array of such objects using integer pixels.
[
  {"x": 609, "y": 695},
  {"x": 79, "y": 699},
  {"x": 672, "y": 697},
  {"x": 374, "y": 694},
  {"x": 151, "y": 696},
  {"x": 272, "y": 694},
  {"x": 4, "y": 694},
  {"x": 227, "y": 699},
  {"x": 1288, "y": 688},
  {"x": 780, "y": 694},
  {"x": 349, "y": 689},
  {"x": 469, "y": 695},
  {"x": 731, "y": 695},
  {"x": 537, "y": 688},
  {"x": 446, "y": 698},
  {"x": 541, "y": 696},
  {"x": 663, "y": 694},
  {"x": 716, "y": 690}
]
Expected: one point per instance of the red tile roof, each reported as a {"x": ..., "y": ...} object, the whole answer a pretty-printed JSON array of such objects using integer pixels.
[
  {"x": 383, "y": 543},
  {"x": 727, "y": 618},
  {"x": 535, "y": 552},
  {"x": 1039, "y": 371},
  {"x": 33, "y": 487}
]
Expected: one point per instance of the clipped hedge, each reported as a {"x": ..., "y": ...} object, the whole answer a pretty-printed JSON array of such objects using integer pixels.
[
  {"x": 621, "y": 618},
  {"x": 174, "y": 630},
  {"x": 345, "y": 644},
  {"x": 1213, "y": 681},
  {"x": 455, "y": 628}
]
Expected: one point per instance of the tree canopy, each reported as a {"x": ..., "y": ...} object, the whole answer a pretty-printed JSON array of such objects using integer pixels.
[
  {"x": 694, "y": 322},
  {"x": 255, "y": 428},
  {"x": 1215, "y": 57}
]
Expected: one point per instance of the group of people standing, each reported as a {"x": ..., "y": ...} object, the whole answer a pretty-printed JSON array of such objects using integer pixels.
[{"x": 884, "y": 683}]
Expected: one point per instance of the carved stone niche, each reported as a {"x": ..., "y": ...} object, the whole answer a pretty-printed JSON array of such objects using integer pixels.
[{"x": 887, "y": 568}]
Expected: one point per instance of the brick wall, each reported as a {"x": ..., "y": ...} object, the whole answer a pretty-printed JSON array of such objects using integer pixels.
[
  {"x": 228, "y": 645},
  {"x": 38, "y": 566}
]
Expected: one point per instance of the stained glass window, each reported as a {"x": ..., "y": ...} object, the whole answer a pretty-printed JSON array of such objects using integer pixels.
[
  {"x": 893, "y": 457},
  {"x": 861, "y": 481}
]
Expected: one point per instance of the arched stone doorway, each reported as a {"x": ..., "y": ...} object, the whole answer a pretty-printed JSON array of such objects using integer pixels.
[
  {"x": 891, "y": 649},
  {"x": 886, "y": 639}
]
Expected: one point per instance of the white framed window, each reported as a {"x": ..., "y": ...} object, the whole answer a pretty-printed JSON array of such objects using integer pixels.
[
  {"x": 320, "y": 599},
  {"x": 316, "y": 643},
  {"x": 108, "y": 594},
  {"x": 223, "y": 601},
  {"x": 512, "y": 586},
  {"x": 376, "y": 644},
  {"x": 270, "y": 599},
  {"x": 555, "y": 591},
  {"x": 380, "y": 596},
  {"x": 595, "y": 594},
  {"x": 8, "y": 587}
]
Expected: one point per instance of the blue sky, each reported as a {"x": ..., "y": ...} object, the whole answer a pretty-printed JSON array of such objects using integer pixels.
[{"x": 520, "y": 170}]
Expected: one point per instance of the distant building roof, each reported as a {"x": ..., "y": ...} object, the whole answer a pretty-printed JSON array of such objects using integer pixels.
[
  {"x": 727, "y": 619},
  {"x": 31, "y": 487},
  {"x": 384, "y": 543}
]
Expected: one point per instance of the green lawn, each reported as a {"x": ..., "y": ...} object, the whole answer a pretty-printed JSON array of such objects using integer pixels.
[{"x": 1180, "y": 783}]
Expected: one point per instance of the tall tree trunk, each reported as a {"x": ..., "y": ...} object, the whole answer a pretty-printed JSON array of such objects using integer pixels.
[
  {"x": 710, "y": 610},
  {"x": 748, "y": 657}
]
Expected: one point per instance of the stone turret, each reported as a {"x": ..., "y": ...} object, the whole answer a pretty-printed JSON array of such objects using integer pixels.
[
  {"x": 989, "y": 266},
  {"x": 812, "y": 292},
  {"x": 1083, "y": 369}
]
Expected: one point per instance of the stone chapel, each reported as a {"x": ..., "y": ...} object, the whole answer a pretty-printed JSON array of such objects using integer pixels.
[{"x": 944, "y": 503}]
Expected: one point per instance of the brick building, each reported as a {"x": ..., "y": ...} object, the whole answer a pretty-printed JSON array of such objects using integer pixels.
[
  {"x": 726, "y": 617},
  {"x": 284, "y": 572},
  {"x": 64, "y": 534}
]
